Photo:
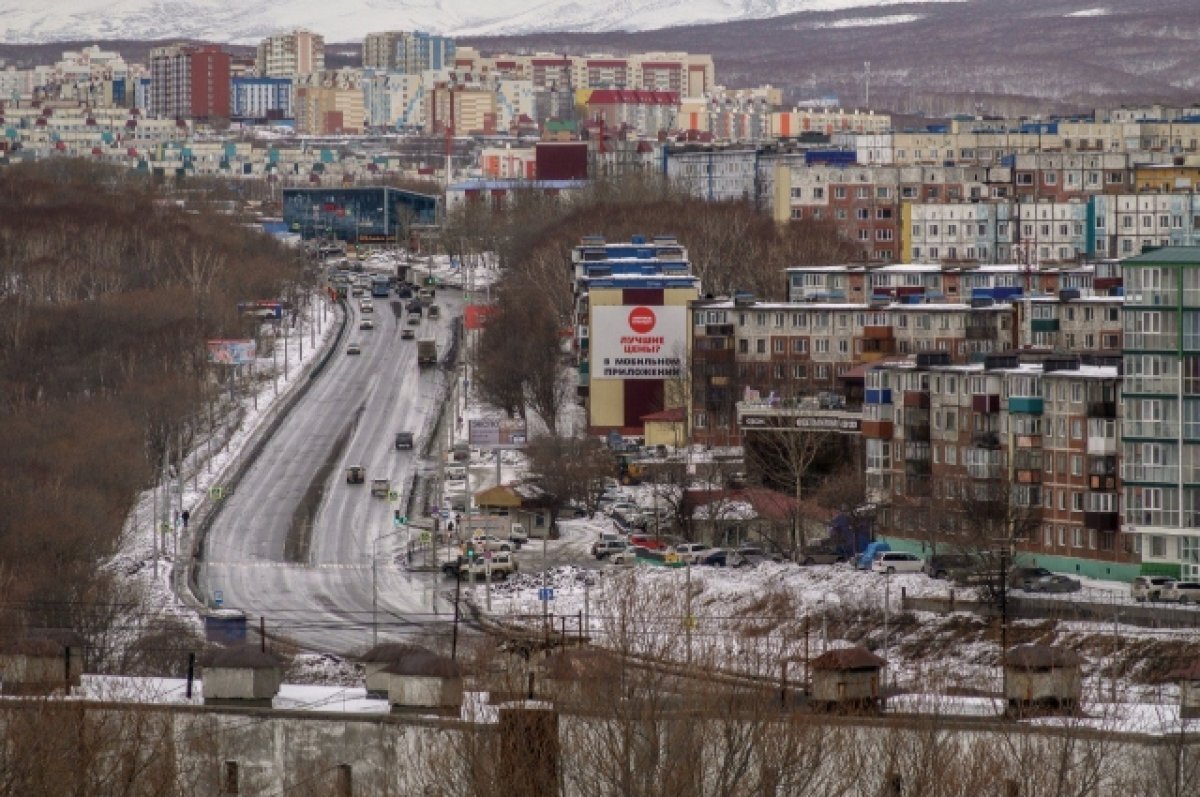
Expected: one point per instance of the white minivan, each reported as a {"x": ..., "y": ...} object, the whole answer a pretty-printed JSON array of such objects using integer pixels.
[{"x": 897, "y": 562}]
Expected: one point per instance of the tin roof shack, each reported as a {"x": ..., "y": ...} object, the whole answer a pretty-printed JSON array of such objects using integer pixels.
[
  {"x": 1189, "y": 689},
  {"x": 378, "y": 659},
  {"x": 41, "y": 663},
  {"x": 576, "y": 676},
  {"x": 244, "y": 676},
  {"x": 420, "y": 680},
  {"x": 1042, "y": 679},
  {"x": 847, "y": 679}
]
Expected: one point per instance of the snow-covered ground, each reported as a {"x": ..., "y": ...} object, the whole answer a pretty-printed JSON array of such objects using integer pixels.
[{"x": 216, "y": 456}]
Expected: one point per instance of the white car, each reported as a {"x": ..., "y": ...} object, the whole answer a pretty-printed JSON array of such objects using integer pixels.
[
  {"x": 897, "y": 562},
  {"x": 1182, "y": 592},
  {"x": 489, "y": 542},
  {"x": 692, "y": 552}
]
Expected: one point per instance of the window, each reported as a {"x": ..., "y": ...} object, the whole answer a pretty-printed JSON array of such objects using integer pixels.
[
  {"x": 1158, "y": 545},
  {"x": 1076, "y": 465},
  {"x": 778, "y": 345},
  {"x": 760, "y": 346},
  {"x": 1076, "y": 502},
  {"x": 818, "y": 193},
  {"x": 1077, "y": 537},
  {"x": 839, "y": 192}
]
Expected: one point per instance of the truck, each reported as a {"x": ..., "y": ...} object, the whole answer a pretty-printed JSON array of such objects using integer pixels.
[
  {"x": 427, "y": 351},
  {"x": 380, "y": 287}
]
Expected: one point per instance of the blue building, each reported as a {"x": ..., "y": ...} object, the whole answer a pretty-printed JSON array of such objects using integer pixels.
[
  {"x": 421, "y": 52},
  {"x": 377, "y": 215}
]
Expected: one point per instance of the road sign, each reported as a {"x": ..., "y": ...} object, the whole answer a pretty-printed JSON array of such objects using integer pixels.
[
  {"x": 672, "y": 558},
  {"x": 546, "y": 594},
  {"x": 218, "y": 598},
  {"x": 393, "y": 495},
  {"x": 215, "y": 493},
  {"x": 445, "y": 514},
  {"x": 426, "y": 536}
]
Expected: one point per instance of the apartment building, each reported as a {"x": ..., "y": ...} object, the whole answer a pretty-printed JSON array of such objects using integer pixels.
[
  {"x": 261, "y": 98},
  {"x": 1071, "y": 322},
  {"x": 948, "y": 232},
  {"x": 946, "y": 443},
  {"x": 292, "y": 54},
  {"x": 1160, "y": 396},
  {"x": 786, "y": 351},
  {"x": 827, "y": 121},
  {"x": 189, "y": 82},
  {"x": 684, "y": 74}
]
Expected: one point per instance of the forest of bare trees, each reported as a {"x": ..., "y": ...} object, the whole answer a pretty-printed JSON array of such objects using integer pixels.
[{"x": 107, "y": 296}]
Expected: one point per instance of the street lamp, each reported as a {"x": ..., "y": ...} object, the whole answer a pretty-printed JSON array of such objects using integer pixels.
[{"x": 375, "y": 583}]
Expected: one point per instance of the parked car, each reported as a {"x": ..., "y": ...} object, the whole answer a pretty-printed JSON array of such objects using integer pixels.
[
  {"x": 897, "y": 562},
  {"x": 716, "y": 557},
  {"x": 404, "y": 440},
  {"x": 647, "y": 541},
  {"x": 413, "y": 320},
  {"x": 356, "y": 474},
  {"x": 602, "y": 549},
  {"x": 868, "y": 555},
  {"x": 453, "y": 566},
  {"x": 1021, "y": 577},
  {"x": 354, "y": 348},
  {"x": 753, "y": 556},
  {"x": 407, "y": 334},
  {"x": 366, "y": 323},
  {"x": 1055, "y": 582},
  {"x": 820, "y": 553},
  {"x": 1150, "y": 588},
  {"x": 628, "y": 556},
  {"x": 692, "y": 552},
  {"x": 949, "y": 565},
  {"x": 1182, "y": 592}
]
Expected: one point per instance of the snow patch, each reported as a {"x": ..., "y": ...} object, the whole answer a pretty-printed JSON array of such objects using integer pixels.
[
  {"x": 1089, "y": 12},
  {"x": 870, "y": 22}
]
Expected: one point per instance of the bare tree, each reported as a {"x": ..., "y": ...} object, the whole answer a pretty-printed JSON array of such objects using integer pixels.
[{"x": 785, "y": 459}]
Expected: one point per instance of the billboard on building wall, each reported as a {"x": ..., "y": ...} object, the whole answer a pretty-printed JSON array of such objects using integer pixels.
[
  {"x": 638, "y": 342},
  {"x": 231, "y": 352}
]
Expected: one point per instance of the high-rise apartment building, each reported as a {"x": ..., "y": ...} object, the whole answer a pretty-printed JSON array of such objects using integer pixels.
[
  {"x": 189, "y": 82},
  {"x": 298, "y": 52},
  {"x": 380, "y": 49},
  {"x": 410, "y": 52},
  {"x": 1160, "y": 429}
]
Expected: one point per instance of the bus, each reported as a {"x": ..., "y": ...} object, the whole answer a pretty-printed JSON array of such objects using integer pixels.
[{"x": 380, "y": 287}]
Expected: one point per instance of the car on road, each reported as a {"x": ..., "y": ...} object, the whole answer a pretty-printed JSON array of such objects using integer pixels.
[
  {"x": 356, "y": 474},
  {"x": 649, "y": 542},
  {"x": 950, "y": 565},
  {"x": 407, "y": 334},
  {"x": 413, "y": 319},
  {"x": 501, "y": 565},
  {"x": 753, "y": 556},
  {"x": 434, "y": 312},
  {"x": 602, "y": 549},
  {"x": 716, "y": 557},
  {"x": 404, "y": 440},
  {"x": 1149, "y": 588},
  {"x": 366, "y": 306},
  {"x": 1182, "y": 592},
  {"x": 897, "y": 562},
  {"x": 1055, "y": 583},
  {"x": 354, "y": 348},
  {"x": 404, "y": 292},
  {"x": 366, "y": 323},
  {"x": 628, "y": 556},
  {"x": 490, "y": 542},
  {"x": 414, "y": 307},
  {"x": 380, "y": 488},
  {"x": 864, "y": 560},
  {"x": 691, "y": 552}
]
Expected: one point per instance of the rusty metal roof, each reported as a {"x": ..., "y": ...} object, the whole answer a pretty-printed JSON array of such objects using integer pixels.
[{"x": 855, "y": 658}]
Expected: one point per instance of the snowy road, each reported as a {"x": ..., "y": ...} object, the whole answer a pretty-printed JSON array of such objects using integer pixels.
[{"x": 294, "y": 542}]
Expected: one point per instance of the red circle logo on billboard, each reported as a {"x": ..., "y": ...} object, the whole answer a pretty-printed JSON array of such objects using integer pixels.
[{"x": 642, "y": 320}]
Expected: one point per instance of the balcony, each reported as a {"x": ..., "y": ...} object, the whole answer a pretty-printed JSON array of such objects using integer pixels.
[
  {"x": 985, "y": 403},
  {"x": 1102, "y": 446},
  {"x": 977, "y": 332},
  {"x": 878, "y": 333},
  {"x": 916, "y": 399},
  {"x": 916, "y": 431},
  {"x": 1106, "y": 283},
  {"x": 985, "y": 470},
  {"x": 1102, "y": 521},
  {"x": 988, "y": 440},
  {"x": 1030, "y": 476},
  {"x": 916, "y": 486},
  {"x": 917, "y": 467},
  {"x": 1031, "y": 405},
  {"x": 879, "y": 430},
  {"x": 878, "y": 395},
  {"x": 1043, "y": 325},
  {"x": 1102, "y": 409},
  {"x": 1102, "y": 484},
  {"x": 1028, "y": 441}
]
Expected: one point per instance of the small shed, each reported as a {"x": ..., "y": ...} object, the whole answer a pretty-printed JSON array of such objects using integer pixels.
[
  {"x": 847, "y": 678},
  {"x": 379, "y": 658},
  {"x": 41, "y": 662},
  {"x": 1188, "y": 677},
  {"x": 573, "y": 675},
  {"x": 242, "y": 676},
  {"x": 1042, "y": 677},
  {"x": 424, "y": 681},
  {"x": 666, "y": 428}
]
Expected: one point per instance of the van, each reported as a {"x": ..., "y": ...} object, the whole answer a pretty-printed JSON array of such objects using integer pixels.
[
  {"x": 868, "y": 555},
  {"x": 896, "y": 562}
]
